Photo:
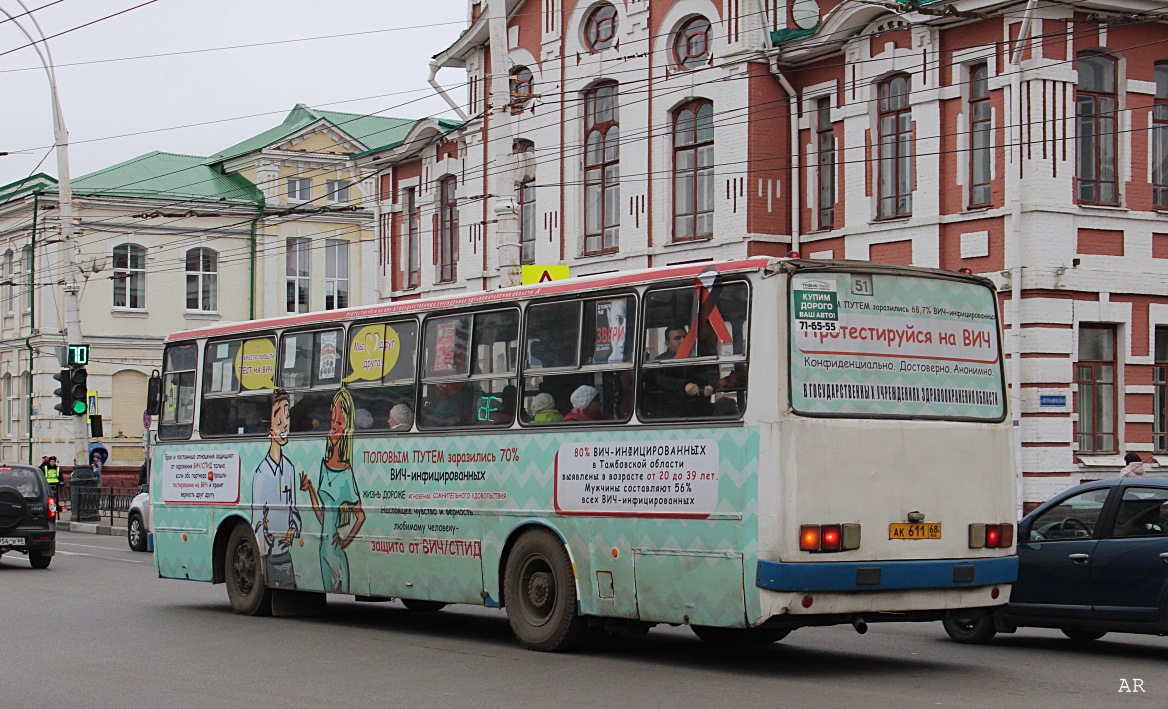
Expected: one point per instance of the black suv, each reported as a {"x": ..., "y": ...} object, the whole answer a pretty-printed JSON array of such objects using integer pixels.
[{"x": 28, "y": 514}]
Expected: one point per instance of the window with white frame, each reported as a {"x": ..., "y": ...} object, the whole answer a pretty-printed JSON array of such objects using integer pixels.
[
  {"x": 448, "y": 230},
  {"x": 1160, "y": 138},
  {"x": 202, "y": 280},
  {"x": 601, "y": 169},
  {"x": 825, "y": 143},
  {"x": 25, "y": 397},
  {"x": 526, "y": 207},
  {"x": 26, "y": 268},
  {"x": 1096, "y": 114},
  {"x": 129, "y": 277},
  {"x": 336, "y": 274},
  {"x": 693, "y": 171},
  {"x": 8, "y": 294},
  {"x": 979, "y": 136},
  {"x": 1095, "y": 401},
  {"x": 337, "y": 191},
  {"x": 299, "y": 189},
  {"x": 413, "y": 237},
  {"x": 10, "y": 403},
  {"x": 297, "y": 270},
  {"x": 896, "y": 147}
]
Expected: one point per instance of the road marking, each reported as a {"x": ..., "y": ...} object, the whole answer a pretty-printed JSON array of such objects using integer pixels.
[
  {"x": 87, "y": 546},
  {"x": 99, "y": 556}
]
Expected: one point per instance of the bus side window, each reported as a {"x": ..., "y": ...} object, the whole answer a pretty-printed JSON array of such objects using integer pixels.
[
  {"x": 469, "y": 364},
  {"x": 380, "y": 372},
  {"x": 695, "y": 364},
  {"x": 310, "y": 371},
  {"x": 178, "y": 392},
  {"x": 238, "y": 378},
  {"x": 577, "y": 350}
]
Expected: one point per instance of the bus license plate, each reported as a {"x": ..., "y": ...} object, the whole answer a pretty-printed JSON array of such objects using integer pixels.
[
  {"x": 11, "y": 541},
  {"x": 906, "y": 530}
]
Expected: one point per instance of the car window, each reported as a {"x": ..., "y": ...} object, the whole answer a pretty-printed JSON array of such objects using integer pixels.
[
  {"x": 1143, "y": 512},
  {"x": 1074, "y": 518},
  {"x": 27, "y": 482}
]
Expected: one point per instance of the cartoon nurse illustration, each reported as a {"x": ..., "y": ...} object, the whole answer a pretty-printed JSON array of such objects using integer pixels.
[
  {"x": 335, "y": 499},
  {"x": 272, "y": 492}
]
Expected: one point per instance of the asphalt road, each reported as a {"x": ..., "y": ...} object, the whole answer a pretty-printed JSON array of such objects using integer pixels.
[{"x": 99, "y": 629}]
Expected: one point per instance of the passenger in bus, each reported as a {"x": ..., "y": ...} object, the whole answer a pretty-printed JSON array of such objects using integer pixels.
[
  {"x": 543, "y": 409},
  {"x": 364, "y": 419},
  {"x": 500, "y": 410},
  {"x": 336, "y": 501},
  {"x": 586, "y": 405},
  {"x": 678, "y": 392},
  {"x": 454, "y": 404},
  {"x": 401, "y": 418}
]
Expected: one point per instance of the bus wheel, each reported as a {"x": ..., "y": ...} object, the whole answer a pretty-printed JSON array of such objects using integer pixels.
[
  {"x": 973, "y": 630},
  {"x": 243, "y": 565},
  {"x": 729, "y": 637},
  {"x": 422, "y": 606},
  {"x": 540, "y": 593}
]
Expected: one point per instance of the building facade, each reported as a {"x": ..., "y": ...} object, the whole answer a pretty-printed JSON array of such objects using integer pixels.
[{"x": 616, "y": 134}]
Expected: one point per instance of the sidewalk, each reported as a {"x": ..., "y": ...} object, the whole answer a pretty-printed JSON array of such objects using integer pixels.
[{"x": 65, "y": 522}]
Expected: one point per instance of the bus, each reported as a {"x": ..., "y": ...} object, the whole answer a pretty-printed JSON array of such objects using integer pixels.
[{"x": 744, "y": 447}]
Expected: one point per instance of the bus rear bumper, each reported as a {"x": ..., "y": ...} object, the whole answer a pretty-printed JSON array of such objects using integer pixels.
[{"x": 812, "y": 577}]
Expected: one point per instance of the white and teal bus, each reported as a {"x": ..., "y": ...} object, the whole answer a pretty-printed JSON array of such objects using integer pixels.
[{"x": 743, "y": 447}]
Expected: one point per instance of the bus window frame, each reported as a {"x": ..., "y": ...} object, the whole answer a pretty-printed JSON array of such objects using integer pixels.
[
  {"x": 421, "y": 380},
  {"x": 202, "y": 380},
  {"x": 196, "y": 404},
  {"x": 382, "y": 427},
  {"x": 331, "y": 388}
]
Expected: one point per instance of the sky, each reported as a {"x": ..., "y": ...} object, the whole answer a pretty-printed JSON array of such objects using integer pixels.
[{"x": 118, "y": 110}]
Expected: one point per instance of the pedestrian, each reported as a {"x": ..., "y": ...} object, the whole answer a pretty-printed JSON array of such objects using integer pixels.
[
  {"x": 95, "y": 461},
  {"x": 1134, "y": 467},
  {"x": 52, "y": 472}
]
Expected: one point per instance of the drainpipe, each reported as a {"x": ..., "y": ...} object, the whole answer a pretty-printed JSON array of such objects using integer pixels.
[
  {"x": 1014, "y": 195},
  {"x": 433, "y": 80},
  {"x": 36, "y": 197},
  {"x": 796, "y": 189},
  {"x": 252, "y": 262}
]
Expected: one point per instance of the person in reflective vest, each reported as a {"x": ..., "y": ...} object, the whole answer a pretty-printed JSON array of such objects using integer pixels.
[{"x": 52, "y": 473}]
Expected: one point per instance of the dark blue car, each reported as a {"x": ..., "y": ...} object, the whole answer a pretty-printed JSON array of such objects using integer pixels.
[{"x": 1092, "y": 560}]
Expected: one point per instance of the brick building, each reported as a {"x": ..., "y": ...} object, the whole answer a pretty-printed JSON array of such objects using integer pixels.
[{"x": 621, "y": 134}]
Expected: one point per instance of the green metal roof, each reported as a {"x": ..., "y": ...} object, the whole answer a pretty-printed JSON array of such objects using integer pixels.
[
  {"x": 167, "y": 176},
  {"x": 790, "y": 34},
  {"x": 368, "y": 131},
  {"x": 27, "y": 185}
]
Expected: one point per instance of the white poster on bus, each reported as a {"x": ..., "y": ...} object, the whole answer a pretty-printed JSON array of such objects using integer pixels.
[
  {"x": 200, "y": 477},
  {"x": 638, "y": 479}
]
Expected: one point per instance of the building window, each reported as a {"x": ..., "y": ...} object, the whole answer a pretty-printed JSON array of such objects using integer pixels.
[
  {"x": 26, "y": 266},
  {"x": 299, "y": 189},
  {"x": 896, "y": 148},
  {"x": 202, "y": 280},
  {"x": 1160, "y": 397},
  {"x": 447, "y": 230},
  {"x": 691, "y": 44},
  {"x": 979, "y": 136},
  {"x": 130, "y": 277},
  {"x": 336, "y": 274},
  {"x": 9, "y": 275},
  {"x": 600, "y": 28},
  {"x": 1160, "y": 138},
  {"x": 1095, "y": 379},
  {"x": 601, "y": 170},
  {"x": 522, "y": 88},
  {"x": 693, "y": 171},
  {"x": 413, "y": 238},
  {"x": 1095, "y": 120},
  {"x": 526, "y": 148},
  {"x": 337, "y": 190},
  {"x": 297, "y": 275},
  {"x": 825, "y": 140},
  {"x": 10, "y": 402}
]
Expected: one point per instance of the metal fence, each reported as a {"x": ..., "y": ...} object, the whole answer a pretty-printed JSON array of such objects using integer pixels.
[{"x": 93, "y": 504}]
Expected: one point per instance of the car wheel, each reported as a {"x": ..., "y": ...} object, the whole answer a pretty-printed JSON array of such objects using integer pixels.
[
  {"x": 243, "y": 566},
  {"x": 739, "y": 637},
  {"x": 973, "y": 630},
  {"x": 136, "y": 533},
  {"x": 422, "y": 606},
  {"x": 540, "y": 593},
  {"x": 1083, "y": 635},
  {"x": 39, "y": 560}
]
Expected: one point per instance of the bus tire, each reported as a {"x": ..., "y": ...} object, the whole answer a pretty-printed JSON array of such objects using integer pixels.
[
  {"x": 739, "y": 637},
  {"x": 540, "y": 594},
  {"x": 416, "y": 606},
  {"x": 974, "y": 630},
  {"x": 243, "y": 567}
]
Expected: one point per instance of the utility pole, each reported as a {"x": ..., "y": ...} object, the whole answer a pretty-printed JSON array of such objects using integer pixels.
[
  {"x": 505, "y": 208},
  {"x": 65, "y": 205}
]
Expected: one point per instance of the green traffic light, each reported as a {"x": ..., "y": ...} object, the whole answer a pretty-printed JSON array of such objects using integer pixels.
[{"x": 79, "y": 407}]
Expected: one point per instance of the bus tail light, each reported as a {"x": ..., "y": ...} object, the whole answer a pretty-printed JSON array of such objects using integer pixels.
[
  {"x": 829, "y": 537},
  {"x": 991, "y": 536}
]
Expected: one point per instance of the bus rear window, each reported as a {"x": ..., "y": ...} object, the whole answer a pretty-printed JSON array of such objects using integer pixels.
[{"x": 882, "y": 345}]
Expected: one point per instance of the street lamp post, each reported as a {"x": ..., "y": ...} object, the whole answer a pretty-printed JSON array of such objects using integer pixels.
[{"x": 65, "y": 206}]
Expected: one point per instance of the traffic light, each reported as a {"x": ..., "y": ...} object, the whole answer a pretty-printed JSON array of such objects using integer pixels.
[
  {"x": 65, "y": 392},
  {"x": 79, "y": 391}
]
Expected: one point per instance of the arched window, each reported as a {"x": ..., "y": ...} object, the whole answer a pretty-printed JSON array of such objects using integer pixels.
[
  {"x": 526, "y": 148},
  {"x": 693, "y": 171},
  {"x": 202, "y": 280},
  {"x": 600, "y": 28},
  {"x": 130, "y": 277},
  {"x": 522, "y": 88},
  {"x": 447, "y": 230},
  {"x": 601, "y": 169},
  {"x": 1096, "y": 103},
  {"x": 691, "y": 44},
  {"x": 896, "y": 147}
]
